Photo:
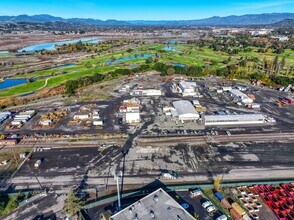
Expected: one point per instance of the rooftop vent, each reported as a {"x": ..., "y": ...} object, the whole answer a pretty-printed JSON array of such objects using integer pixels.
[{"x": 155, "y": 197}]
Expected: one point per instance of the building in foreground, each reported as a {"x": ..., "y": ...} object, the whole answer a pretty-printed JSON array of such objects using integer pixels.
[
  {"x": 234, "y": 119},
  {"x": 185, "y": 110},
  {"x": 157, "y": 205}
]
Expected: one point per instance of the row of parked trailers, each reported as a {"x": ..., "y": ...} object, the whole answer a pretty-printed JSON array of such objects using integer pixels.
[
  {"x": 23, "y": 117},
  {"x": 4, "y": 116},
  {"x": 280, "y": 199}
]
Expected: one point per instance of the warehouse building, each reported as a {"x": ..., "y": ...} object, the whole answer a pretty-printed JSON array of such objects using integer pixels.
[
  {"x": 157, "y": 205},
  {"x": 247, "y": 119},
  {"x": 185, "y": 110},
  {"x": 133, "y": 117},
  {"x": 146, "y": 92},
  {"x": 240, "y": 96},
  {"x": 187, "y": 88}
]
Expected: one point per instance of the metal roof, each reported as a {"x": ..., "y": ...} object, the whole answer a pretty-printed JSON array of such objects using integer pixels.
[
  {"x": 239, "y": 94},
  {"x": 157, "y": 205},
  {"x": 246, "y": 117},
  {"x": 184, "y": 107}
]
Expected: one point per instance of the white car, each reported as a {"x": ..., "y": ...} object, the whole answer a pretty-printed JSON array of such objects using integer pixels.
[
  {"x": 206, "y": 204},
  {"x": 210, "y": 208}
]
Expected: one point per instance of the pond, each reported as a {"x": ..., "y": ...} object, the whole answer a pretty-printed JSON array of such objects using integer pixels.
[
  {"x": 4, "y": 52},
  {"x": 7, "y": 83},
  {"x": 169, "y": 48},
  {"x": 178, "y": 65},
  {"x": 66, "y": 66},
  {"x": 51, "y": 45},
  {"x": 175, "y": 42},
  {"x": 132, "y": 57}
]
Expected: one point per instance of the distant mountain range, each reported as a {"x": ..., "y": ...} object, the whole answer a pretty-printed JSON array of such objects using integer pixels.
[{"x": 250, "y": 19}]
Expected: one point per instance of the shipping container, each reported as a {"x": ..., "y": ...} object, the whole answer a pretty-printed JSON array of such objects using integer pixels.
[
  {"x": 238, "y": 208},
  {"x": 16, "y": 123},
  {"x": 219, "y": 196},
  {"x": 235, "y": 215},
  {"x": 226, "y": 204}
]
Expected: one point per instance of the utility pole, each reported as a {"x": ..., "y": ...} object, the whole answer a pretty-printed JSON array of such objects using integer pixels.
[{"x": 117, "y": 177}]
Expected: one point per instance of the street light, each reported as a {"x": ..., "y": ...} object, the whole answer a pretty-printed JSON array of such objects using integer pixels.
[{"x": 117, "y": 177}]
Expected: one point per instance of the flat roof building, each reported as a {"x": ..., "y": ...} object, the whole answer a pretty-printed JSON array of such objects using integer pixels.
[
  {"x": 185, "y": 110},
  {"x": 234, "y": 119},
  {"x": 132, "y": 117},
  {"x": 157, "y": 205}
]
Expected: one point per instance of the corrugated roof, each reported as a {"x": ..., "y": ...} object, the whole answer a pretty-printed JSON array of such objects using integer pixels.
[
  {"x": 184, "y": 107},
  {"x": 246, "y": 117}
]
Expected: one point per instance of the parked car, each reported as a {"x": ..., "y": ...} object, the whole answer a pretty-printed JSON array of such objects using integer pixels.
[
  {"x": 210, "y": 208},
  {"x": 206, "y": 204}
]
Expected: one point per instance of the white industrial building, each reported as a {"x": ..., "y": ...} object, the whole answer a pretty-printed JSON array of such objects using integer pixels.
[
  {"x": 226, "y": 88},
  {"x": 234, "y": 119},
  {"x": 132, "y": 117},
  {"x": 156, "y": 205},
  {"x": 146, "y": 92},
  {"x": 185, "y": 110},
  {"x": 240, "y": 96},
  {"x": 187, "y": 88},
  {"x": 98, "y": 123}
]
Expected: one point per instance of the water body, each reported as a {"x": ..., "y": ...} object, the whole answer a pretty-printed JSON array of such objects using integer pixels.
[
  {"x": 66, "y": 66},
  {"x": 179, "y": 65},
  {"x": 7, "y": 83},
  {"x": 4, "y": 52},
  {"x": 51, "y": 45},
  {"x": 175, "y": 42},
  {"x": 132, "y": 57},
  {"x": 169, "y": 48}
]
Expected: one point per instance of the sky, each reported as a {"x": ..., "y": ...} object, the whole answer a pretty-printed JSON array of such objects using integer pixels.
[{"x": 143, "y": 9}]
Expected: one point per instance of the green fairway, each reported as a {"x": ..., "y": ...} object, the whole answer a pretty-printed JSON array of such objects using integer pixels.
[{"x": 189, "y": 55}]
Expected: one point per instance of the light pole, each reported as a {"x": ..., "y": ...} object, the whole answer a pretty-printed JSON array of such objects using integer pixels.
[{"x": 117, "y": 177}]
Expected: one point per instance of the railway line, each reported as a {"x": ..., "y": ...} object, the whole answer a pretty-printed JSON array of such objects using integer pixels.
[{"x": 150, "y": 141}]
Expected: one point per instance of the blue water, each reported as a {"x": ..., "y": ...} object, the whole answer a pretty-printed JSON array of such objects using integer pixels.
[
  {"x": 7, "y": 83},
  {"x": 66, "y": 66},
  {"x": 132, "y": 57},
  {"x": 169, "y": 48},
  {"x": 51, "y": 45},
  {"x": 179, "y": 64},
  {"x": 4, "y": 52},
  {"x": 175, "y": 42}
]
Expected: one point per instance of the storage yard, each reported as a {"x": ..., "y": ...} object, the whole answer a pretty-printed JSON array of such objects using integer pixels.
[{"x": 155, "y": 132}]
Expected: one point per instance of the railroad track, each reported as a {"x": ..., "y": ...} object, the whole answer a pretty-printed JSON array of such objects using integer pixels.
[{"x": 219, "y": 139}]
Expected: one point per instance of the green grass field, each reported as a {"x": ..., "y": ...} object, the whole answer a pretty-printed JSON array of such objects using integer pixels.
[{"x": 190, "y": 56}]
